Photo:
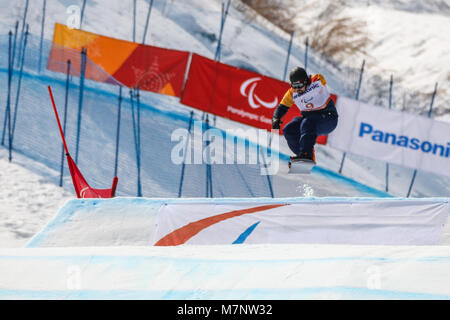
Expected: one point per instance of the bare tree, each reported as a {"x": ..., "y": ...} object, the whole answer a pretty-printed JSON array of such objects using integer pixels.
[
  {"x": 331, "y": 33},
  {"x": 274, "y": 11}
]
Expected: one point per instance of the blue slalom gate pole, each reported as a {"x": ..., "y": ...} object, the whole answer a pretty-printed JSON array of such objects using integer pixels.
[
  {"x": 147, "y": 20},
  {"x": 183, "y": 165},
  {"x": 42, "y": 35},
  {"x": 430, "y": 112},
  {"x": 19, "y": 85},
  {"x": 80, "y": 100},
  {"x": 116, "y": 163},
  {"x": 66, "y": 100},
  {"x": 288, "y": 56},
  {"x": 356, "y": 98}
]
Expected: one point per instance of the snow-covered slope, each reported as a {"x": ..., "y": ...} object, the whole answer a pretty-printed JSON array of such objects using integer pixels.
[{"x": 29, "y": 198}]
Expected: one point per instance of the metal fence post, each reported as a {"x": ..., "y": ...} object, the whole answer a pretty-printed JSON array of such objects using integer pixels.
[
  {"x": 391, "y": 83},
  {"x": 134, "y": 20},
  {"x": 209, "y": 187},
  {"x": 135, "y": 119},
  {"x": 139, "y": 140},
  {"x": 66, "y": 101},
  {"x": 356, "y": 98},
  {"x": 183, "y": 165},
  {"x": 15, "y": 43},
  {"x": 19, "y": 85},
  {"x": 8, "y": 100},
  {"x": 288, "y": 56},
  {"x": 42, "y": 35},
  {"x": 222, "y": 26},
  {"x": 80, "y": 99},
  {"x": 83, "y": 6},
  {"x": 430, "y": 112},
  {"x": 23, "y": 26},
  {"x": 150, "y": 5},
  {"x": 116, "y": 162},
  {"x": 306, "y": 53}
]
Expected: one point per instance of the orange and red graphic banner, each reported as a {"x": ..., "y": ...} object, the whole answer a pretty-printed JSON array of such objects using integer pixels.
[{"x": 112, "y": 60}]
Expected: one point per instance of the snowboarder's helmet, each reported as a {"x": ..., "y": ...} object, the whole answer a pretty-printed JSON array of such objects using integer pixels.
[{"x": 298, "y": 77}]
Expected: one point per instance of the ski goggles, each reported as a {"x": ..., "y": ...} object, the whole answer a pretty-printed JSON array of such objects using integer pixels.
[{"x": 299, "y": 84}]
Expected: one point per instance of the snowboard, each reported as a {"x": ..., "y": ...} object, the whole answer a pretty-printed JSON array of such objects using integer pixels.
[{"x": 301, "y": 166}]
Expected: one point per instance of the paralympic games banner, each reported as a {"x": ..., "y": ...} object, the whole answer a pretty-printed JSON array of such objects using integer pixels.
[
  {"x": 235, "y": 93},
  {"x": 110, "y": 60},
  {"x": 396, "y": 137}
]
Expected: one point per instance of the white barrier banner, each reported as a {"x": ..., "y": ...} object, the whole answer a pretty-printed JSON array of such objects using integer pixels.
[{"x": 392, "y": 136}]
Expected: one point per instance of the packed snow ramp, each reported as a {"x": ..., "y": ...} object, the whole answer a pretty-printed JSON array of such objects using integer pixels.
[{"x": 260, "y": 248}]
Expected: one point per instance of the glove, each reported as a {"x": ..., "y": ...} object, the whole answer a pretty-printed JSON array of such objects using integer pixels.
[
  {"x": 276, "y": 123},
  {"x": 280, "y": 111}
]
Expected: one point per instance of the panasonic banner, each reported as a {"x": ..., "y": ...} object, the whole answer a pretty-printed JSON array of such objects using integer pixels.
[{"x": 393, "y": 136}]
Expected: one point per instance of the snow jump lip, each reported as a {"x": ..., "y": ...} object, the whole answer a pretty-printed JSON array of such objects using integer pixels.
[{"x": 222, "y": 221}]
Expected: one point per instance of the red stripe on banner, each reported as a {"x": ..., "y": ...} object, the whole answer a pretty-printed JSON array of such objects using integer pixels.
[{"x": 183, "y": 234}]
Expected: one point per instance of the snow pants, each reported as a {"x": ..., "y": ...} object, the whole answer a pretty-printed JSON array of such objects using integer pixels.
[{"x": 301, "y": 133}]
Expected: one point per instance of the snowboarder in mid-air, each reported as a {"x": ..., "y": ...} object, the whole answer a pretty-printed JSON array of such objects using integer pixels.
[{"x": 318, "y": 114}]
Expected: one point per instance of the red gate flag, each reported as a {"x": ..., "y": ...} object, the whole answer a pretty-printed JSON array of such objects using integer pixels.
[
  {"x": 82, "y": 188},
  {"x": 237, "y": 94},
  {"x": 110, "y": 60}
]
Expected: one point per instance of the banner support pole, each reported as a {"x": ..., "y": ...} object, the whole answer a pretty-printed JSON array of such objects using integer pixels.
[
  {"x": 391, "y": 83},
  {"x": 42, "y": 35},
  {"x": 430, "y": 111},
  {"x": 66, "y": 100},
  {"x": 288, "y": 56},
  {"x": 116, "y": 162},
  {"x": 183, "y": 166},
  {"x": 356, "y": 98}
]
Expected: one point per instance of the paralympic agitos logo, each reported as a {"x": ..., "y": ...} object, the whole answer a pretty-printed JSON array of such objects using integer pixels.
[{"x": 253, "y": 100}]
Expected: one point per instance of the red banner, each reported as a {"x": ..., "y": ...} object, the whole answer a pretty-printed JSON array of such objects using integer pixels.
[{"x": 236, "y": 94}]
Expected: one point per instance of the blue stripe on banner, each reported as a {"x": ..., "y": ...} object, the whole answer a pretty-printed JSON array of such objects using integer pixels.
[{"x": 246, "y": 233}]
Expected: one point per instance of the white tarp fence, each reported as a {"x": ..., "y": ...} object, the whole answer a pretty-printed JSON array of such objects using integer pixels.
[
  {"x": 392, "y": 136},
  {"x": 171, "y": 222},
  {"x": 375, "y": 222}
]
